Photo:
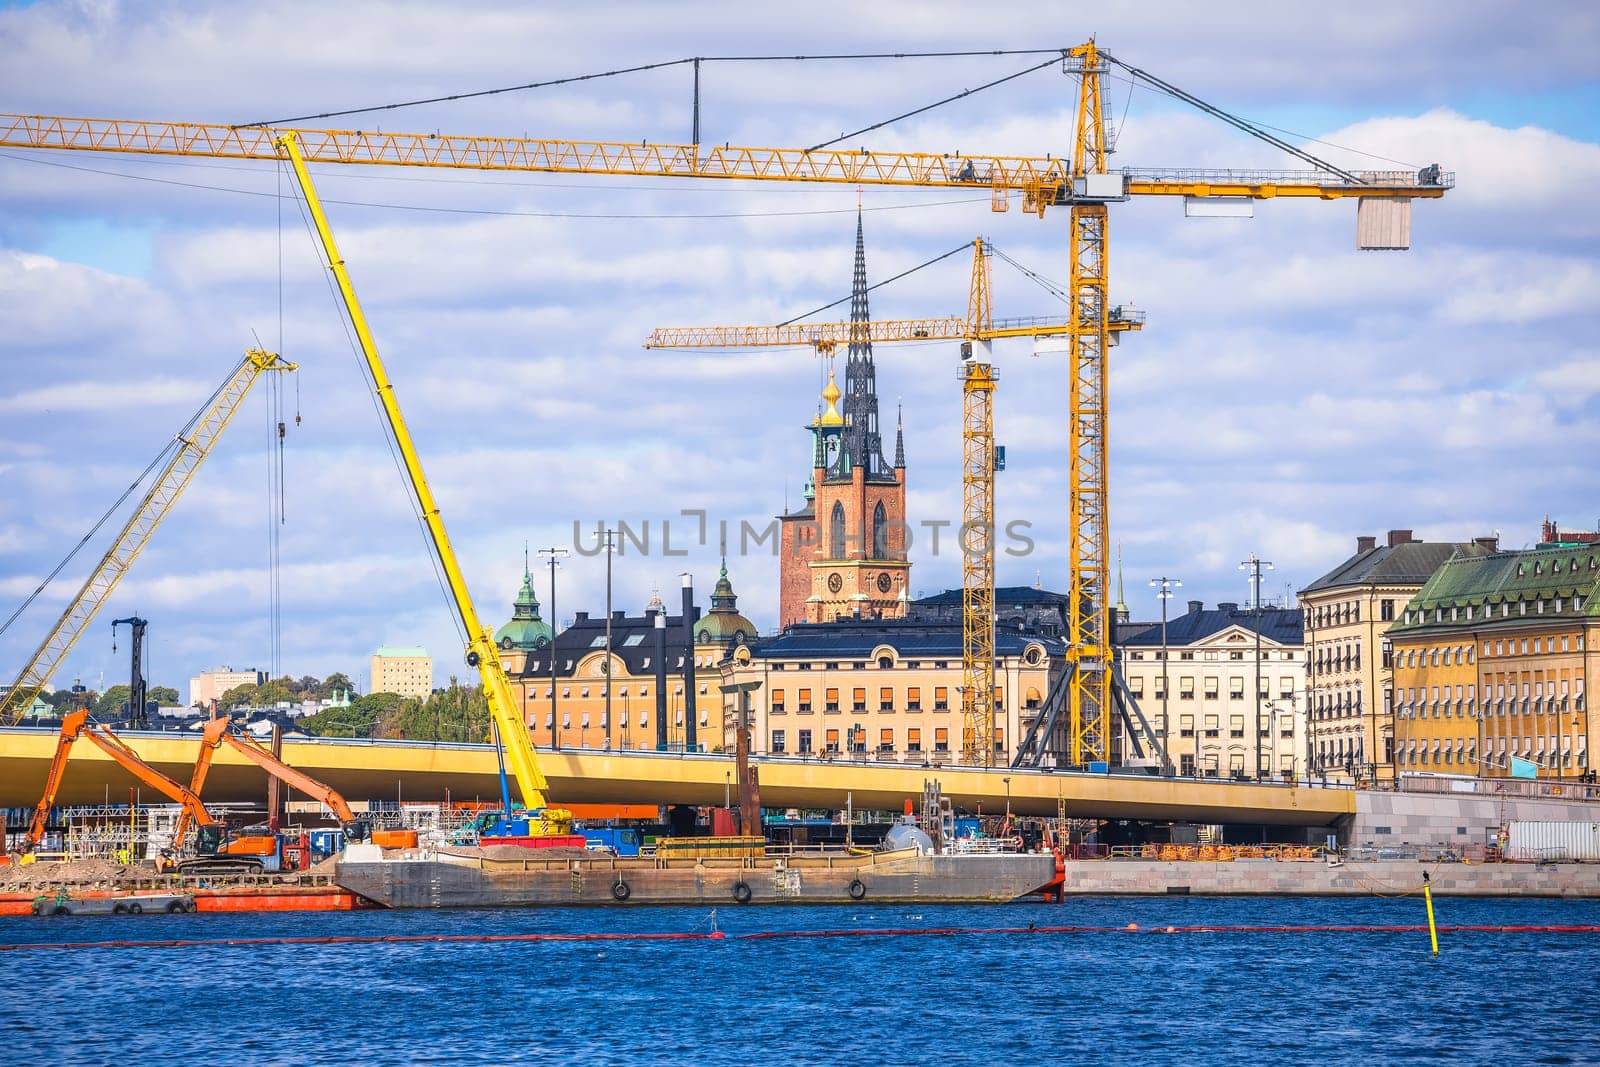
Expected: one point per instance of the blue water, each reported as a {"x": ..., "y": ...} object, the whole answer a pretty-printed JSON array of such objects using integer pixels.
[{"x": 1323, "y": 998}]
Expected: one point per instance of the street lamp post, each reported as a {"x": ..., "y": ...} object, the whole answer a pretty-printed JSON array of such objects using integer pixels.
[
  {"x": 1164, "y": 587},
  {"x": 1254, "y": 567},
  {"x": 555, "y": 724},
  {"x": 1007, "y": 781}
]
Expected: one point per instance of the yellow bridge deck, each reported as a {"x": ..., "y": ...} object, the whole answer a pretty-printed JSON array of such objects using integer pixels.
[{"x": 419, "y": 771}]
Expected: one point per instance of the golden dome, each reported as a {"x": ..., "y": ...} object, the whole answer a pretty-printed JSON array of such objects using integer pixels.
[{"x": 831, "y": 416}]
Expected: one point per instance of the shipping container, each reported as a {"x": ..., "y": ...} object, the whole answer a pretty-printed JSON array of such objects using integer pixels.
[{"x": 1554, "y": 842}]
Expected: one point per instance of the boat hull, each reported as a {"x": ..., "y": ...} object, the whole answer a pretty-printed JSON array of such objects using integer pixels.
[{"x": 464, "y": 880}]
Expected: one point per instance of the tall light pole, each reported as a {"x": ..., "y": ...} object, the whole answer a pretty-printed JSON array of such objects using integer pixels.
[
  {"x": 1164, "y": 587},
  {"x": 608, "y": 535},
  {"x": 555, "y": 723},
  {"x": 1254, "y": 567}
]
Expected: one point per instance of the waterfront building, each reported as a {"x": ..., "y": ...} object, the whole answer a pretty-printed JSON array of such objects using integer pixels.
[
  {"x": 1490, "y": 659},
  {"x": 207, "y": 687},
  {"x": 842, "y": 553},
  {"x": 406, "y": 671},
  {"x": 574, "y": 711},
  {"x": 1208, "y": 718},
  {"x": 882, "y": 689},
  {"x": 1347, "y": 613}
]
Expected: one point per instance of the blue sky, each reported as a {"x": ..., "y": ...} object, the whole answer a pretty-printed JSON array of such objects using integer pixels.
[{"x": 1287, "y": 395}]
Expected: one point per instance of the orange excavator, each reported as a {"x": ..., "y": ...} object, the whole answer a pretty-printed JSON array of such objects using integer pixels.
[
  {"x": 75, "y": 725},
  {"x": 219, "y": 732}
]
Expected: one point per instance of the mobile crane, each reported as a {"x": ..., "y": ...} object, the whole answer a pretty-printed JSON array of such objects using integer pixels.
[{"x": 1079, "y": 181}]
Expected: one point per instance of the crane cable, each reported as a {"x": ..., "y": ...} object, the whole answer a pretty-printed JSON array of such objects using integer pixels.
[
  {"x": 343, "y": 314},
  {"x": 177, "y": 441}
]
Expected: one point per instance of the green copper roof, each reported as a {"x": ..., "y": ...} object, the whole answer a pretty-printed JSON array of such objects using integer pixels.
[
  {"x": 526, "y": 631},
  {"x": 723, "y": 623},
  {"x": 1475, "y": 588}
]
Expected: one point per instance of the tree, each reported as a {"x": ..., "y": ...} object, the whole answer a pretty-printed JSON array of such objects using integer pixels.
[
  {"x": 456, "y": 713},
  {"x": 65, "y": 700},
  {"x": 237, "y": 697},
  {"x": 375, "y": 715},
  {"x": 336, "y": 683},
  {"x": 164, "y": 695},
  {"x": 110, "y": 703}
]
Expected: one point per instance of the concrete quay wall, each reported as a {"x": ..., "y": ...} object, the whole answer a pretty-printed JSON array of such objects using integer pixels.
[
  {"x": 1315, "y": 878},
  {"x": 1456, "y": 819}
]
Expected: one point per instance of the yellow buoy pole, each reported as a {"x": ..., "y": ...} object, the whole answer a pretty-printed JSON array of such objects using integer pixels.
[{"x": 1427, "y": 896}]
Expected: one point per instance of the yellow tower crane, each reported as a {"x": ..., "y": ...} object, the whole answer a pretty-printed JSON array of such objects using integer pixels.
[
  {"x": 1079, "y": 181},
  {"x": 976, "y": 332},
  {"x": 193, "y": 445}
]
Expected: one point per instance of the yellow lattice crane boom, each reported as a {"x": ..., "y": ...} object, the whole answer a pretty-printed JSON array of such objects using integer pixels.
[
  {"x": 1079, "y": 181},
  {"x": 193, "y": 445}
]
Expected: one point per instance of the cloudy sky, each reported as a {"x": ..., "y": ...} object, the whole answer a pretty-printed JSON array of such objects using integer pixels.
[{"x": 1287, "y": 394}]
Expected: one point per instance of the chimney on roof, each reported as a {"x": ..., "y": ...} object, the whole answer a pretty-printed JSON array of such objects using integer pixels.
[
  {"x": 1366, "y": 544},
  {"x": 1549, "y": 530},
  {"x": 1196, "y": 606},
  {"x": 1226, "y": 605},
  {"x": 1400, "y": 537},
  {"x": 1491, "y": 544}
]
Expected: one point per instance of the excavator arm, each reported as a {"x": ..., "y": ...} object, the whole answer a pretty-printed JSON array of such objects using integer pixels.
[
  {"x": 219, "y": 732},
  {"x": 76, "y": 725}
]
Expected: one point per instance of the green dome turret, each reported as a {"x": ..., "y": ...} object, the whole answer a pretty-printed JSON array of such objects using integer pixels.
[
  {"x": 526, "y": 631},
  {"x": 723, "y": 625}
]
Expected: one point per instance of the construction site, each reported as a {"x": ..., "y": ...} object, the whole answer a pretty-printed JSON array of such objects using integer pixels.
[{"x": 1047, "y": 775}]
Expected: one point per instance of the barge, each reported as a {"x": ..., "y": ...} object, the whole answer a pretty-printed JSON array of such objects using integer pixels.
[{"x": 508, "y": 876}]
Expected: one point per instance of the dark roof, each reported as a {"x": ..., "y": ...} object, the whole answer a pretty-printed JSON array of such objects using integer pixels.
[
  {"x": 1469, "y": 581},
  {"x": 855, "y": 639},
  {"x": 1123, "y": 632},
  {"x": 1411, "y": 563},
  {"x": 1006, "y": 596},
  {"x": 632, "y": 641},
  {"x": 1283, "y": 625}
]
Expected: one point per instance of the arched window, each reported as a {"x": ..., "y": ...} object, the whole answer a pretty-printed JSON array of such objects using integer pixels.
[
  {"x": 836, "y": 532},
  {"x": 880, "y": 533}
]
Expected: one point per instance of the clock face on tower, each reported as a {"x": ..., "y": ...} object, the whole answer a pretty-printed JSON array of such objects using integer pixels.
[
  {"x": 883, "y": 583},
  {"x": 835, "y": 583}
]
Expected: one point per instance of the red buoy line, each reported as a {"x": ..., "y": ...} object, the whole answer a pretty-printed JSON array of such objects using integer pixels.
[{"x": 772, "y": 935}]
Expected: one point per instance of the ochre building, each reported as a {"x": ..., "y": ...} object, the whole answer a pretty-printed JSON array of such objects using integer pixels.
[
  {"x": 1347, "y": 613},
  {"x": 1490, "y": 662}
]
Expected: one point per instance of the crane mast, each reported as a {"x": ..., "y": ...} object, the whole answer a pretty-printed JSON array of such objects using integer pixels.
[
  {"x": 194, "y": 445},
  {"x": 481, "y": 650}
]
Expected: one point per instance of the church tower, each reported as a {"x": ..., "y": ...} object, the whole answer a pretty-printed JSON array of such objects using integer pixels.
[{"x": 843, "y": 554}]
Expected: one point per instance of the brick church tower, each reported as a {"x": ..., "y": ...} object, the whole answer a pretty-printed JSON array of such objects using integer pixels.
[{"x": 843, "y": 554}]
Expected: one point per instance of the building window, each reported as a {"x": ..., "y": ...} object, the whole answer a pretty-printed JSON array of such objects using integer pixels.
[
  {"x": 858, "y": 700},
  {"x": 1386, "y": 611},
  {"x": 805, "y": 742},
  {"x": 941, "y": 739},
  {"x": 1212, "y": 727},
  {"x": 1236, "y": 726},
  {"x": 914, "y": 699},
  {"x": 831, "y": 701},
  {"x": 836, "y": 532},
  {"x": 880, "y": 533},
  {"x": 832, "y": 740},
  {"x": 1185, "y": 688},
  {"x": 777, "y": 741},
  {"x": 1213, "y": 687},
  {"x": 1185, "y": 725},
  {"x": 886, "y": 699},
  {"x": 914, "y": 740},
  {"x": 885, "y": 741},
  {"x": 805, "y": 702},
  {"x": 778, "y": 707}
]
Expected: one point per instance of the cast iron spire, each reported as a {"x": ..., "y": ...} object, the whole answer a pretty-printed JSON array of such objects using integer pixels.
[{"x": 864, "y": 445}]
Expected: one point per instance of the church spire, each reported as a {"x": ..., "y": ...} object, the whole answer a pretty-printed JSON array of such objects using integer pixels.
[
  {"x": 899, "y": 438},
  {"x": 865, "y": 445}
]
